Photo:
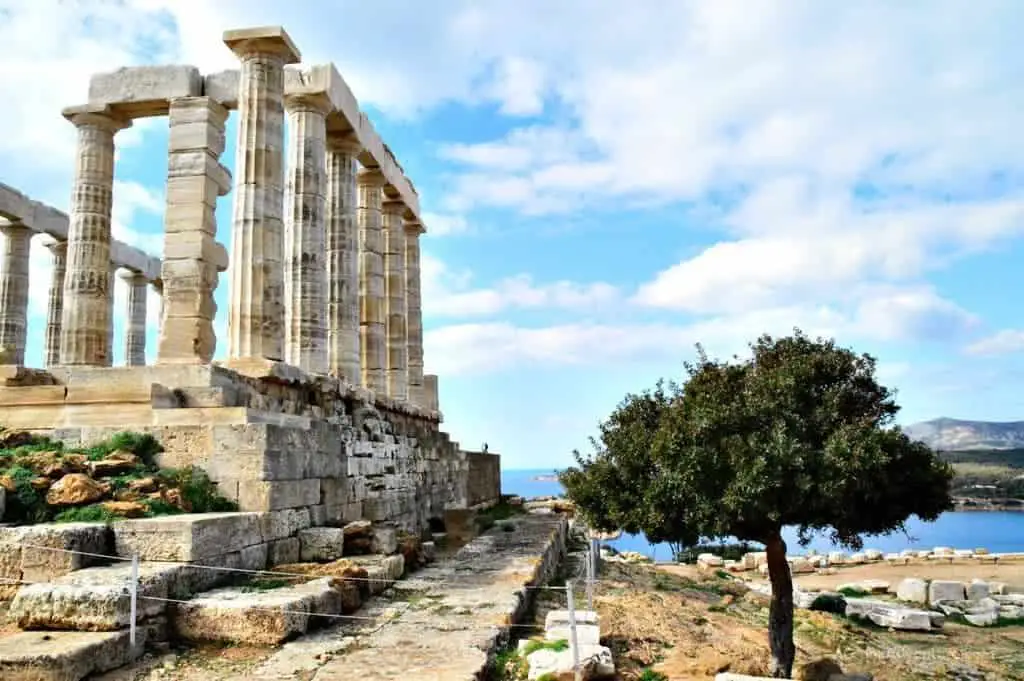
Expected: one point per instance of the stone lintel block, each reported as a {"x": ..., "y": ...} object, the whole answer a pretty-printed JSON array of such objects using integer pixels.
[
  {"x": 139, "y": 91},
  {"x": 274, "y": 495},
  {"x": 189, "y": 538},
  {"x": 196, "y": 245},
  {"x": 133, "y": 258},
  {"x": 262, "y": 39},
  {"x": 222, "y": 87}
]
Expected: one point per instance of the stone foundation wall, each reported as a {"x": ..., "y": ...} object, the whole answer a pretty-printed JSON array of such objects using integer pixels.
[
  {"x": 483, "y": 483},
  {"x": 272, "y": 438}
]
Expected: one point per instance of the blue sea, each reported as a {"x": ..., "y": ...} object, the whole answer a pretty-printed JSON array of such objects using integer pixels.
[{"x": 997, "y": 531}]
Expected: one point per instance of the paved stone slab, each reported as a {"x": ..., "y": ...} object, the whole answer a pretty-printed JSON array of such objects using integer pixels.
[
  {"x": 255, "y": 617},
  {"x": 21, "y": 561},
  {"x": 65, "y": 655}
]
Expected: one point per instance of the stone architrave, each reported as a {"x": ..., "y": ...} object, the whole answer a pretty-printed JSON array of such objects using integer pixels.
[
  {"x": 256, "y": 311},
  {"x": 14, "y": 259},
  {"x": 85, "y": 318},
  {"x": 55, "y": 303},
  {"x": 414, "y": 312},
  {"x": 394, "y": 291},
  {"x": 192, "y": 256},
  {"x": 305, "y": 267},
  {"x": 135, "y": 325},
  {"x": 342, "y": 248},
  {"x": 373, "y": 346}
]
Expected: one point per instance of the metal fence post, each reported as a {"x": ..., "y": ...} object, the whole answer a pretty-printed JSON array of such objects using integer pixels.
[
  {"x": 573, "y": 639},
  {"x": 134, "y": 592},
  {"x": 590, "y": 577}
]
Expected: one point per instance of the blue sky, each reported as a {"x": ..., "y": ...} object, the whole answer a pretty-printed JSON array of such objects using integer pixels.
[{"x": 603, "y": 189}]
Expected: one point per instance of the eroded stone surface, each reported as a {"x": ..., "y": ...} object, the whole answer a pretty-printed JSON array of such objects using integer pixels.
[
  {"x": 65, "y": 655},
  {"x": 189, "y": 538}
]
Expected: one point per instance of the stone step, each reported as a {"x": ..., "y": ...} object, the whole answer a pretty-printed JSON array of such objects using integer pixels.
[
  {"x": 96, "y": 598},
  {"x": 25, "y": 553},
  {"x": 195, "y": 537},
  {"x": 256, "y": 617},
  {"x": 66, "y": 655},
  {"x": 382, "y": 571}
]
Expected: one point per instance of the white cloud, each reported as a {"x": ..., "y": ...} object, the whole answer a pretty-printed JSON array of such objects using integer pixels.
[
  {"x": 448, "y": 293},
  {"x": 441, "y": 224},
  {"x": 916, "y": 314},
  {"x": 1003, "y": 342}
]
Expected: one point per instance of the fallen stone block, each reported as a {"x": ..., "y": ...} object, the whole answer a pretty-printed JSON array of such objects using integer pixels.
[
  {"x": 187, "y": 538},
  {"x": 93, "y": 599},
  {"x": 65, "y": 655},
  {"x": 710, "y": 560},
  {"x": 943, "y": 590},
  {"x": 381, "y": 571},
  {"x": 385, "y": 540},
  {"x": 321, "y": 544},
  {"x": 912, "y": 590},
  {"x": 268, "y": 617},
  {"x": 977, "y": 590},
  {"x": 560, "y": 618},
  {"x": 586, "y": 634},
  {"x": 887, "y": 615},
  {"x": 595, "y": 662}
]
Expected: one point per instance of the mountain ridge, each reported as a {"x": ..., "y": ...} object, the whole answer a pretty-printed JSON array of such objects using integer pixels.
[{"x": 949, "y": 434}]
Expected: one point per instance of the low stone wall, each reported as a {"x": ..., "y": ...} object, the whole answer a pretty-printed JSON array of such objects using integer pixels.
[
  {"x": 483, "y": 483},
  {"x": 271, "y": 436}
]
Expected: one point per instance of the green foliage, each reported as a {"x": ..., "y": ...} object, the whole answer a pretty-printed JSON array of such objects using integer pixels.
[
  {"x": 651, "y": 675},
  {"x": 853, "y": 592},
  {"x": 94, "y": 513},
  {"x": 197, "y": 490},
  {"x": 535, "y": 644},
  {"x": 799, "y": 435},
  {"x": 27, "y": 504},
  {"x": 728, "y": 551}
]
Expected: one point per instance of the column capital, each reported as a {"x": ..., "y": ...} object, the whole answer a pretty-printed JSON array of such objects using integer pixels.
[
  {"x": 57, "y": 247},
  {"x": 346, "y": 143},
  {"x": 393, "y": 207},
  {"x": 371, "y": 177},
  {"x": 13, "y": 228},
  {"x": 317, "y": 102},
  {"x": 263, "y": 40},
  {"x": 132, "y": 277},
  {"x": 88, "y": 115},
  {"x": 413, "y": 227}
]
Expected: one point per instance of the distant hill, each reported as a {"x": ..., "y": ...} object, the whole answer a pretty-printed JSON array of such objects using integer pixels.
[{"x": 955, "y": 435}]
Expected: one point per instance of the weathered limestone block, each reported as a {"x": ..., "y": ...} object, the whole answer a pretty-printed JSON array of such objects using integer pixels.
[
  {"x": 381, "y": 572},
  {"x": 222, "y": 87},
  {"x": 285, "y": 523},
  {"x": 86, "y": 321},
  {"x": 414, "y": 312},
  {"x": 271, "y": 495},
  {"x": 321, "y": 544},
  {"x": 385, "y": 540},
  {"x": 144, "y": 90},
  {"x": 560, "y": 618},
  {"x": 977, "y": 590},
  {"x": 192, "y": 256},
  {"x": 187, "y": 538},
  {"x": 284, "y": 551},
  {"x": 305, "y": 272},
  {"x": 93, "y": 599},
  {"x": 55, "y": 302},
  {"x": 395, "y": 284},
  {"x": 342, "y": 255},
  {"x": 595, "y": 662},
  {"x": 943, "y": 590},
  {"x": 256, "y": 618},
  {"x": 25, "y": 552},
  {"x": 14, "y": 262},
  {"x": 65, "y": 655},
  {"x": 373, "y": 344},
  {"x": 912, "y": 590},
  {"x": 256, "y": 313},
  {"x": 586, "y": 634},
  {"x": 887, "y": 615}
]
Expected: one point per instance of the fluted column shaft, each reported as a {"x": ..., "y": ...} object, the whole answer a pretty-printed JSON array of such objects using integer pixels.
[
  {"x": 192, "y": 256},
  {"x": 112, "y": 276},
  {"x": 55, "y": 306},
  {"x": 305, "y": 266},
  {"x": 430, "y": 392},
  {"x": 256, "y": 314},
  {"x": 372, "y": 348},
  {"x": 14, "y": 258},
  {"x": 395, "y": 290},
  {"x": 414, "y": 312},
  {"x": 86, "y": 317},
  {"x": 342, "y": 251},
  {"x": 135, "y": 326}
]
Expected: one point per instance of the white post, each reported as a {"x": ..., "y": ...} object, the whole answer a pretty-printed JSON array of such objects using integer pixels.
[
  {"x": 590, "y": 577},
  {"x": 595, "y": 554},
  {"x": 573, "y": 640},
  {"x": 134, "y": 590}
]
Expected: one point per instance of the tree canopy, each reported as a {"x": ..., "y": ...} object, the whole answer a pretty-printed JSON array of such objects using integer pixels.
[{"x": 801, "y": 435}]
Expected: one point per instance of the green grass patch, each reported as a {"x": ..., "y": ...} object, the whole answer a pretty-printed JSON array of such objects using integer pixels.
[
  {"x": 651, "y": 675},
  {"x": 853, "y": 592},
  {"x": 535, "y": 644},
  {"x": 258, "y": 585}
]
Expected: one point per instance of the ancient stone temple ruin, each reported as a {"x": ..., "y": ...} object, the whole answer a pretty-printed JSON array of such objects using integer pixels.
[{"x": 322, "y": 403}]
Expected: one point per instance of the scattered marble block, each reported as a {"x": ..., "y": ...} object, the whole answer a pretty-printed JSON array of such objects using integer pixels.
[
  {"x": 912, "y": 590},
  {"x": 595, "y": 662},
  {"x": 944, "y": 590}
]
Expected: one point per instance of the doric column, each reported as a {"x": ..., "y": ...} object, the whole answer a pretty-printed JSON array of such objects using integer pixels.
[
  {"x": 342, "y": 249},
  {"x": 14, "y": 256},
  {"x": 431, "y": 400},
  {"x": 85, "y": 320},
  {"x": 135, "y": 324},
  {"x": 372, "y": 344},
  {"x": 394, "y": 291},
  {"x": 192, "y": 256},
  {"x": 112, "y": 277},
  {"x": 256, "y": 312},
  {"x": 305, "y": 266},
  {"x": 414, "y": 311},
  {"x": 55, "y": 307}
]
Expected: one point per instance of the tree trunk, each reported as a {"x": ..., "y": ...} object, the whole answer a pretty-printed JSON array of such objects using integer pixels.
[{"x": 780, "y": 615}]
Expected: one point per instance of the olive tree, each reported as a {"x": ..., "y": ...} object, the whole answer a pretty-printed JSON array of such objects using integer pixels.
[{"x": 800, "y": 435}]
